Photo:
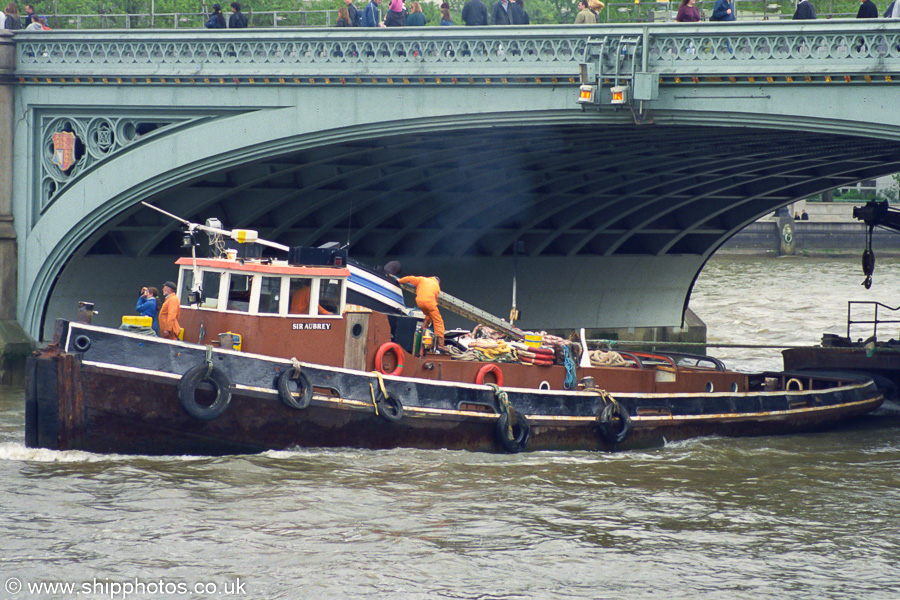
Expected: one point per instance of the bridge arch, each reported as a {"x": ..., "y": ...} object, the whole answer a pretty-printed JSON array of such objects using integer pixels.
[{"x": 449, "y": 177}]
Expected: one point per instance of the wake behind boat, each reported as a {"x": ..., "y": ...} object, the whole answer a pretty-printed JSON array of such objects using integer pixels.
[{"x": 278, "y": 358}]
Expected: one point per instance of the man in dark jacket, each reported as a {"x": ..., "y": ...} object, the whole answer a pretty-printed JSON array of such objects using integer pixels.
[
  {"x": 505, "y": 12},
  {"x": 353, "y": 12},
  {"x": 723, "y": 11},
  {"x": 805, "y": 11},
  {"x": 237, "y": 20},
  {"x": 525, "y": 19},
  {"x": 475, "y": 13},
  {"x": 372, "y": 14},
  {"x": 30, "y": 16},
  {"x": 867, "y": 10}
]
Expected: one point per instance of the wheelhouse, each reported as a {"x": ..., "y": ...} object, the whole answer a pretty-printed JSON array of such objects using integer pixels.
[{"x": 274, "y": 288}]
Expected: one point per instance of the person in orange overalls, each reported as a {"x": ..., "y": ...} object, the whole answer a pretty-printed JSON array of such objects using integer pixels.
[
  {"x": 169, "y": 327},
  {"x": 427, "y": 291}
]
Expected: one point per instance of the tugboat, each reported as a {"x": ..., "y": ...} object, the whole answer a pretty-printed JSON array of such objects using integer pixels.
[
  {"x": 274, "y": 356},
  {"x": 870, "y": 357}
]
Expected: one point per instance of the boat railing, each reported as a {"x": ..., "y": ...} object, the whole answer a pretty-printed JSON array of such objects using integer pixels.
[{"x": 875, "y": 321}]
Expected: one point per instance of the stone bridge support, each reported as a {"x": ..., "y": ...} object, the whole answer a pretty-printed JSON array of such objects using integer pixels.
[{"x": 14, "y": 343}]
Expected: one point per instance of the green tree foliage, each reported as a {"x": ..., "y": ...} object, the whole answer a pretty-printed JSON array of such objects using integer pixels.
[{"x": 892, "y": 192}]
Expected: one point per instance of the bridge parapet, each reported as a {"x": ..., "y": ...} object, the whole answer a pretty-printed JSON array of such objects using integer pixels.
[{"x": 844, "y": 47}]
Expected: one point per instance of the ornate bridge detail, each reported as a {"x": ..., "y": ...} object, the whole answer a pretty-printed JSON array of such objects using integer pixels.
[
  {"x": 765, "y": 48},
  {"x": 97, "y": 137}
]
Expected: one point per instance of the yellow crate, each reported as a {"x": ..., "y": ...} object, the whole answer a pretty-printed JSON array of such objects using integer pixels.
[{"x": 137, "y": 321}]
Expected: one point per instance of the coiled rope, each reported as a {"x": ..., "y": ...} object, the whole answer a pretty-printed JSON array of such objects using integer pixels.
[
  {"x": 372, "y": 390},
  {"x": 569, "y": 362},
  {"x": 209, "y": 363},
  {"x": 503, "y": 401}
]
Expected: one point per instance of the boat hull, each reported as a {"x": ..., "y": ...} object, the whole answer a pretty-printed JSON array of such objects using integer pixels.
[{"x": 113, "y": 392}]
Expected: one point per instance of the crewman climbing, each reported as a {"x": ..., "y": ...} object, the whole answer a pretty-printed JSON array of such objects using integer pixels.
[{"x": 427, "y": 291}]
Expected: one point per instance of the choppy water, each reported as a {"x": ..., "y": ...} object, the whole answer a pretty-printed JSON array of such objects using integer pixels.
[{"x": 811, "y": 516}]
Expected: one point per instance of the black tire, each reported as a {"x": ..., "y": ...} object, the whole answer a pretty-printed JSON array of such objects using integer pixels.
[
  {"x": 81, "y": 343},
  {"x": 521, "y": 433},
  {"x": 389, "y": 409},
  {"x": 299, "y": 399},
  {"x": 187, "y": 388},
  {"x": 608, "y": 429}
]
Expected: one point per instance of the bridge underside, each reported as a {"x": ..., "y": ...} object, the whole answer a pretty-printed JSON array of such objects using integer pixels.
[
  {"x": 629, "y": 213},
  {"x": 563, "y": 190}
]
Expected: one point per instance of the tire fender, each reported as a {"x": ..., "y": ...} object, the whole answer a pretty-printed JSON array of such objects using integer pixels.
[
  {"x": 521, "y": 432},
  {"x": 608, "y": 430},
  {"x": 299, "y": 399},
  {"x": 187, "y": 388}
]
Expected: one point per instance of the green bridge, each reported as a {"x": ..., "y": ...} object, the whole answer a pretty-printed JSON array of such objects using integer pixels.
[{"x": 458, "y": 151}]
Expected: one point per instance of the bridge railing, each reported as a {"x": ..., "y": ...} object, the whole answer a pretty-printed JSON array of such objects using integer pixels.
[{"x": 833, "y": 48}]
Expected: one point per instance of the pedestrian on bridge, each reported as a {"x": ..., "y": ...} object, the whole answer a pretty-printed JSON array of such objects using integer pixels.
[
  {"x": 525, "y": 19},
  {"x": 446, "y": 19},
  {"x": 805, "y": 11},
  {"x": 353, "y": 13},
  {"x": 29, "y": 17},
  {"x": 475, "y": 13},
  {"x": 867, "y": 10},
  {"x": 585, "y": 15},
  {"x": 687, "y": 12},
  {"x": 238, "y": 20},
  {"x": 504, "y": 12},
  {"x": 596, "y": 6},
  {"x": 396, "y": 15},
  {"x": 416, "y": 18},
  {"x": 893, "y": 10},
  {"x": 372, "y": 14},
  {"x": 723, "y": 11},
  {"x": 216, "y": 19},
  {"x": 12, "y": 17}
]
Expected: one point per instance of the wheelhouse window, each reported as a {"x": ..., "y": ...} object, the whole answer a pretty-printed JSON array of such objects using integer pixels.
[
  {"x": 329, "y": 295},
  {"x": 269, "y": 295},
  {"x": 239, "y": 292},
  {"x": 300, "y": 292},
  {"x": 211, "y": 281},
  {"x": 264, "y": 293},
  {"x": 187, "y": 283},
  {"x": 210, "y": 288}
]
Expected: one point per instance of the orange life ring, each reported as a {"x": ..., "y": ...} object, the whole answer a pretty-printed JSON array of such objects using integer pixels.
[
  {"x": 379, "y": 356},
  {"x": 490, "y": 368}
]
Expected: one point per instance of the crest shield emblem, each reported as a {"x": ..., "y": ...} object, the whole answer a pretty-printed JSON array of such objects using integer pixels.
[{"x": 64, "y": 149}]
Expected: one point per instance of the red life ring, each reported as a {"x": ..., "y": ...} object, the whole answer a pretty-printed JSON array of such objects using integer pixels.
[
  {"x": 489, "y": 368},
  {"x": 379, "y": 356}
]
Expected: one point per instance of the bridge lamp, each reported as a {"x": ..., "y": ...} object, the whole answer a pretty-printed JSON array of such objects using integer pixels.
[
  {"x": 619, "y": 94},
  {"x": 587, "y": 94}
]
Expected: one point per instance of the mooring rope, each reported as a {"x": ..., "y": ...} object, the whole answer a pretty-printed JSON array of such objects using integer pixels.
[
  {"x": 569, "y": 362},
  {"x": 611, "y": 343}
]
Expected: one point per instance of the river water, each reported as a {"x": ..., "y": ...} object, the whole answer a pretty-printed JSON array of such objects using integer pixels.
[{"x": 807, "y": 516}]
